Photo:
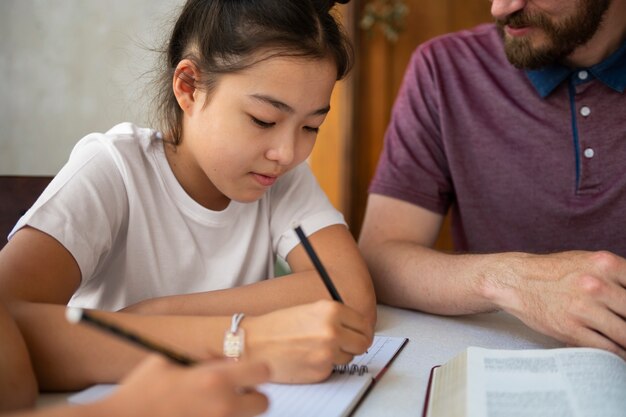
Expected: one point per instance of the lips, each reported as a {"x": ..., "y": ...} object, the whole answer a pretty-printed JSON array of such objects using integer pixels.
[
  {"x": 264, "y": 180},
  {"x": 516, "y": 31}
]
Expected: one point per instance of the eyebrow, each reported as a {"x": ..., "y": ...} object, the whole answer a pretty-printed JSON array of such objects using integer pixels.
[{"x": 285, "y": 107}]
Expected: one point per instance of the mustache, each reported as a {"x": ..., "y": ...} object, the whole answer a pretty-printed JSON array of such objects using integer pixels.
[{"x": 522, "y": 18}]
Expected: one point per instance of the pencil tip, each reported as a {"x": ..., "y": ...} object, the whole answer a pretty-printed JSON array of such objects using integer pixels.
[{"x": 73, "y": 314}]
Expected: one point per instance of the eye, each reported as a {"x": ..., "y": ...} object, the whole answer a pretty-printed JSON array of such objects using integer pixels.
[
  {"x": 261, "y": 123},
  {"x": 311, "y": 129}
]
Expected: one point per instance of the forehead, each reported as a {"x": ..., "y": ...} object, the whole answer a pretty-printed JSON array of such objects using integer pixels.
[{"x": 297, "y": 81}]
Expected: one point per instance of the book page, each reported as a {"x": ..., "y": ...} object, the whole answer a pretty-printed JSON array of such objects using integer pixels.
[
  {"x": 579, "y": 382},
  {"x": 448, "y": 389}
]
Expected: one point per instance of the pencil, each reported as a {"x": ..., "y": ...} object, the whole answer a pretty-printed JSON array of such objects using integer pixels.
[
  {"x": 76, "y": 315},
  {"x": 318, "y": 265}
]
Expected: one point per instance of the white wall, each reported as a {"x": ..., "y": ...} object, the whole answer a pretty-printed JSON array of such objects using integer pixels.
[{"x": 71, "y": 67}]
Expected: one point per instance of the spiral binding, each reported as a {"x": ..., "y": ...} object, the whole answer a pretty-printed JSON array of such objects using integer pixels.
[{"x": 351, "y": 369}]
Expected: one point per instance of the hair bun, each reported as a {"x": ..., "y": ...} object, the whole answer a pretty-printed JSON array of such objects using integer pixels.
[{"x": 331, "y": 3}]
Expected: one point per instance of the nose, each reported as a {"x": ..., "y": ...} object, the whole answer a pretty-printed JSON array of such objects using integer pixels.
[
  {"x": 282, "y": 150},
  {"x": 503, "y": 8}
]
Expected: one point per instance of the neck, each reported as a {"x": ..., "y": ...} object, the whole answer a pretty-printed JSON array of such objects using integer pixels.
[
  {"x": 607, "y": 39},
  {"x": 195, "y": 182}
]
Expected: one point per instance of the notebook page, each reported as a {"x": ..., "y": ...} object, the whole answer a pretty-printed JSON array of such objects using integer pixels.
[
  {"x": 334, "y": 397},
  {"x": 337, "y": 395}
]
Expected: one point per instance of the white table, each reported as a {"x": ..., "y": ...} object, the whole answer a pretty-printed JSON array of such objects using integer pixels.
[{"x": 434, "y": 340}]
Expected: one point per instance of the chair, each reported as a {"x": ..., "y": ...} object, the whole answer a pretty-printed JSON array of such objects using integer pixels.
[{"x": 17, "y": 194}]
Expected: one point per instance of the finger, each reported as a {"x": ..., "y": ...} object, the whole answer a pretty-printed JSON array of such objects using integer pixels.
[
  {"x": 244, "y": 373},
  {"x": 587, "y": 337},
  {"x": 353, "y": 342},
  {"x": 613, "y": 327},
  {"x": 251, "y": 403},
  {"x": 341, "y": 357},
  {"x": 616, "y": 300},
  {"x": 607, "y": 319},
  {"x": 355, "y": 321}
]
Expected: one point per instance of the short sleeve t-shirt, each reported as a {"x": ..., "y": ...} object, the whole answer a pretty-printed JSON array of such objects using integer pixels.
[{"x": 117, "y": 207}]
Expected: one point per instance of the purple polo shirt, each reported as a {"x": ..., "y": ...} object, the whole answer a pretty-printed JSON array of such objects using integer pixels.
[{"x": 527, "y": 161}]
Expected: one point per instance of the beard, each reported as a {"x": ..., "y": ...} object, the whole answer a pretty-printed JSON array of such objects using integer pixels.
[{"x": 562, "y": 37}]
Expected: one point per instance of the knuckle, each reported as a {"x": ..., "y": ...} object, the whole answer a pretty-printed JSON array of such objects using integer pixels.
[
  {"x": 321, "y": 360},
  {"x": 591, "y": 284},
  {"x": 332, "y": 308},
  {"x": 605, "y": 260},
  {"x": 324, "y": 357},
  {"x": 329, "y": 335}
]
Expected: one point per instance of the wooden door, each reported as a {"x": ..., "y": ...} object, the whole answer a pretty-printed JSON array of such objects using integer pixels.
[{"x": 350, "y": 142}]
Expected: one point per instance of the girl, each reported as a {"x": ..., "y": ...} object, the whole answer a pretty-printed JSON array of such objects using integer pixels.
[{"x": 179, "y": 227}]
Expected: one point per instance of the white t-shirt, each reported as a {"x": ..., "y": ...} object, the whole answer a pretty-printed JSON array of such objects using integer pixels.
[{"x": 136, "y": 234}]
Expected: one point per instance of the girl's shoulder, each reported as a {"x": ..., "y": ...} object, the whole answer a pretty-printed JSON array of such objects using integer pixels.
[
  {"x": 123, "y": 136},
  {"x": 123, "y": 143}
]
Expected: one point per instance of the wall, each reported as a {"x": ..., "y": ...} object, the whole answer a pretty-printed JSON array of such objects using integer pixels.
[{"x": 71, "y": 67}]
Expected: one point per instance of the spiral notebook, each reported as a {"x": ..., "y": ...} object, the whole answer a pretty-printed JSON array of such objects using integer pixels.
[{"x": 337, "y": 396}]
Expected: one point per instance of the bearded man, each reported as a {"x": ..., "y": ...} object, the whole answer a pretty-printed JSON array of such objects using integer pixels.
[{"x": 517, "y": 128}]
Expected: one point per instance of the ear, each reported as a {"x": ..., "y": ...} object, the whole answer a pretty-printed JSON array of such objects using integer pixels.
[{"x": 184, "y": 84}]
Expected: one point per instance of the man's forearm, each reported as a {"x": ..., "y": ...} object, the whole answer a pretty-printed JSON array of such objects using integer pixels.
[{"x": 412, "y": 276}]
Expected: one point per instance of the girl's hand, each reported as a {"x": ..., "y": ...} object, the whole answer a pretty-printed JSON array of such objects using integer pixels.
[{"x": 301, "y": 344}]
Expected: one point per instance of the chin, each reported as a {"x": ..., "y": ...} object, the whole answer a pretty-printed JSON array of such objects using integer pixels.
[{"x": 248, "y": 198}]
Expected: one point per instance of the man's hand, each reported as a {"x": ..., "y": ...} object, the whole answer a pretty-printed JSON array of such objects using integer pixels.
[{"x": 576, "y": 297}]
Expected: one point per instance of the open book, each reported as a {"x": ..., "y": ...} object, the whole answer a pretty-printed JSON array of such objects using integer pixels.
[
  {"x": 481, "y": 382},
  {"x": 335, "y": 397}
]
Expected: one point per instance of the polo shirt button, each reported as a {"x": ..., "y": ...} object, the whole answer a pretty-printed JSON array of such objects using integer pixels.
[
  {"x": 583, "y": 75},
  {"x": 589, "y": 153},
  {"x": 585, "y": 111}
]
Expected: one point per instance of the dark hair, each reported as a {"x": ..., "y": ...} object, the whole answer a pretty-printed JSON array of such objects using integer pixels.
[{"x": 225, "y": 36}]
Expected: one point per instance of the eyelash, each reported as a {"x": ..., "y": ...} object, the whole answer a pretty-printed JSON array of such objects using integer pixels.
[
  {"x": 262, "y": 124},
  {"x": 267, "y": 125}
]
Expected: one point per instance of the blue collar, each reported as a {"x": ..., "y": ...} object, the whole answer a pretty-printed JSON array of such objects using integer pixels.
[{"x": 611, "y": 71}]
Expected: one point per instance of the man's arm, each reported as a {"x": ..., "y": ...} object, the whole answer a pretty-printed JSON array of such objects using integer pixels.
[{"x": 576, "y": 297}]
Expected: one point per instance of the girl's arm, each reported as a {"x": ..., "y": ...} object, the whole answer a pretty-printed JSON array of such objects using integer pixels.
[
  {"x": 38, "y": 276},
  {"x": 18, "y": 387},
  {"x": 336, "y": 249}
]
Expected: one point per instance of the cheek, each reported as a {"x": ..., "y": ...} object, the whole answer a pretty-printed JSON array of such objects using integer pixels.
[
  {"x": 216, "y": 156},
  {"x": 304, "y": 149},
  {"x": 227, "y": 158}
]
